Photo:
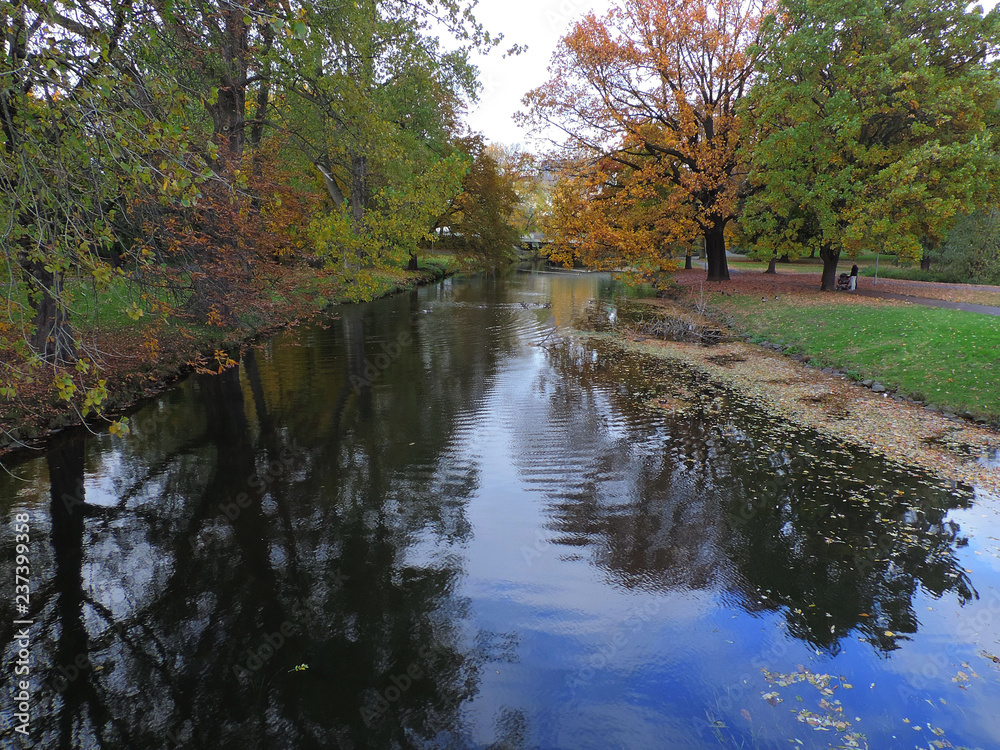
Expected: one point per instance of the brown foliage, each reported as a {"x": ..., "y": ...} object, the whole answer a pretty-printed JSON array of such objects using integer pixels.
[{"x": 247, "y": 221}]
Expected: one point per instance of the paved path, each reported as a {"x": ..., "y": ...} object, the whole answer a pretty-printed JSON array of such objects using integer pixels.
[{"x": 984, "y": 309}]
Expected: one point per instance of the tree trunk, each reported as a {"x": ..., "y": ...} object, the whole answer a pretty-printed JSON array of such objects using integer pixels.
[
  {"x": 784, "y": 258},
  {"x": 715, "y": 251},
  {"x": 412, "y": 265},
  {"x": 830, "y": 258},
  {"x": 67, "y": 593},
  {"x": 229, "y": 110},
  {"x": 359, "y": 178},
  {"x": 687, "y": 263},
  {"x": 263, "y": 101},
  {"x": 52, "y": 339},
  {"x": 925, "y": 264},
  {"x": 770, "y": 266},
  {"x": 229, "y": 120}
]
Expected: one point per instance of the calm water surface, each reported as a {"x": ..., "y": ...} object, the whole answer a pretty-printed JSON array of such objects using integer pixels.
[{"x": 433, "y": 522}]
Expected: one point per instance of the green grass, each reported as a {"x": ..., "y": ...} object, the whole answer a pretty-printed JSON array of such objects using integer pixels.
[
  {"x": 915, "y": 274},
  {"x": 806, "y": 265},
  {"x": 105, "y": 309},
  {"x": 443, "y": 262},
  {"x": 803, "y": 266},
  {"x": 945, "y": 357}
]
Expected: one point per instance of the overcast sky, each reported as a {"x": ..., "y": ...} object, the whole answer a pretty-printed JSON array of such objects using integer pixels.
[{"x": 539, "y": 24}]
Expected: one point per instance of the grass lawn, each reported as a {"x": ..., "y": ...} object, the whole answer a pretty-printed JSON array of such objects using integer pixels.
[
  {"x": 802, "y": 266},
  {"x": 812, "y": 265},
  {"x": 945, "y": 357}
]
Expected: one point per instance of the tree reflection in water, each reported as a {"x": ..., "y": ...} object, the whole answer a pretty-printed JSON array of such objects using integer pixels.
[
  {"x": 712, "y": 494},
  {"x": 276, "y": 557},
  {"x": 293, "y": 517}
]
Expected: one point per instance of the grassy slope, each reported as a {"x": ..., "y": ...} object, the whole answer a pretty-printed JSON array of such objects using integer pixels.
[{"x": 945, "y": 357}]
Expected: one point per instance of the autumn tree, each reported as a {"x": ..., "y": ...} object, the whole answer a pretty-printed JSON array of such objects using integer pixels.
[
  {"x": 479, "y": 220},
  {"x": 875, "y": 126},
  {"x": 610, "y": 216},
  {"x": 85, "y": 132},
  {"x": 654, "y": 87},
  {"x": 221, "y": 51},
  {"x": 373, "y": 102},
  {"x": 520, "y": 168}
]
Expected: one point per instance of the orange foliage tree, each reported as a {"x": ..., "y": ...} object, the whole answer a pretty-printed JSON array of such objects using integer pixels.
[
  {"x": 612, "y": 216},
  {"x": 653, "y": 88}
]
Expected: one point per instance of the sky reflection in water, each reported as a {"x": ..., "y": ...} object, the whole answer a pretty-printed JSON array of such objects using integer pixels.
[{"x": 477, "y": 534}]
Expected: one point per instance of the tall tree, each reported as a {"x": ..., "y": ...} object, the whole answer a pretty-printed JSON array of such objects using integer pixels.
[
  {"x": 83, "y": 131},
  {"x": 875, "y": 125},
  {"x": 654, "y": 86},
  {"x": 611, "y": 216},
  {"x": 972, "y": 250},
  {"x": 480, "y": 218},
  {"x": 374, "y": 103}
]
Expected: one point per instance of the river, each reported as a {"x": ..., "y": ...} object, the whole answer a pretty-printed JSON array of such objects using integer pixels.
[{"x": 434, "y": 521}]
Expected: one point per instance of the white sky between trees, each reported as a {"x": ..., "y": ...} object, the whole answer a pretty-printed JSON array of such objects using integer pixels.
[{"x": 539, "y": 24}]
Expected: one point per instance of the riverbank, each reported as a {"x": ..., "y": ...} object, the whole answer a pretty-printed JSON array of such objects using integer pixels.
[
  {"x": 797, "y": 381},
  {"x": 139, "y": 358},
  {"x": 942, "y": 358},
  {"x": 949, "y": 447}
]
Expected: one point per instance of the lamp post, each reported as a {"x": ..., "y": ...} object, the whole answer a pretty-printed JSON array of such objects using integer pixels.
[{"x": 876, "y": 268}]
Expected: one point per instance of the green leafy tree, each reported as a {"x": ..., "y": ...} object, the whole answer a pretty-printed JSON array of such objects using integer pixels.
[
  {"x": 972, "y": 250},
  {"x": 373, "y": 102},
  {"x": 86, "y": 132},
  {"x": 480, "y": 219},
  {"x": 873, "y": 123}
]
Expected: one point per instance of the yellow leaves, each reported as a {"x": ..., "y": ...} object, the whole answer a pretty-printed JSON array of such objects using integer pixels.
[
  {"x": 65, "y": 387},
  {"x": 119, "y": 427},
  {"x": 220, "y": 362},
  {"x": 95, "y": 397},
  {"x": 686, "y": 143},
  {"x": 102, "y": 274},
  {"x": 214, "y": 317}
]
